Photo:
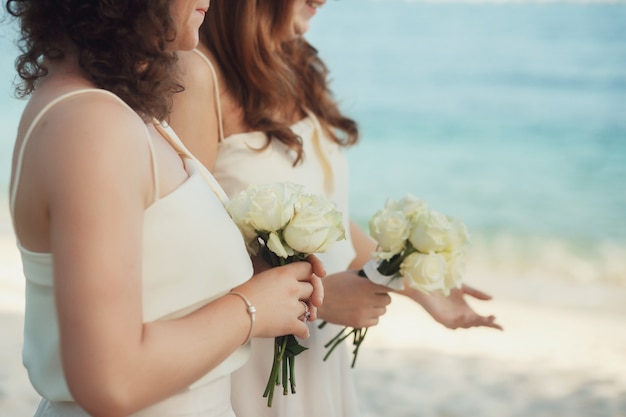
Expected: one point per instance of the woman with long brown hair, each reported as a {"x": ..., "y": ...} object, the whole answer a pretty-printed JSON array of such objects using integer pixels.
[{"x": 256, "y": 77}]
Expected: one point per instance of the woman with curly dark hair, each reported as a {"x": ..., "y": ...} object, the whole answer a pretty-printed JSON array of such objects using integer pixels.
[
  {"x": 138, "y": 289},
  {"x": 257, "y": 108}
]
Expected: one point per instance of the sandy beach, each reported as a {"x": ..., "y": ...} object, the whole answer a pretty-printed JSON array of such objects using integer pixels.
[
  {"x": 563, "y": 353},
  {"x": 549, "y": 361}
]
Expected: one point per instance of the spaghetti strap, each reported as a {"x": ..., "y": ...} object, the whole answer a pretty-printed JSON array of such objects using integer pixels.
[
  {"x": 172, "y": 138},
  {"x": 220, "y": 125},
  {"x": 41, "y": 114},
  {"x": 323, "y": 157}
]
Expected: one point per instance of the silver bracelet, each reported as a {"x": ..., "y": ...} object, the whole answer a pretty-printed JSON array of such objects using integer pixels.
[{"x": 251, "y": 311}]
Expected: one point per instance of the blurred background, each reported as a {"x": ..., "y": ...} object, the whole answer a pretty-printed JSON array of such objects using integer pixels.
[
  {"x": 508, "y": 115},
  {"x": 511, "y": 116}
]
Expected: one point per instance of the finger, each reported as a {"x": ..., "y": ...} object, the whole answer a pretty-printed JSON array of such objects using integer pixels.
[
  {"x": 384, "y": 298},
  {"x": 379, "y": 311},
  {"x": 301, "y": 330},
  {"x": 491, "y": 322},
  {"x": 494, "y": 325},
  {"x": 373, "y": 321},
  {"x": 306, "y": 314},
  {"x": 482, "y": 321},
  {"x": 377, "y": 288},
  {"x": 312, "y": 311},
  {"x": 306, "y": 290},
  {"x": 471, "y": 291},
  {"x": 317, "y": 265},
  {"x": 317, "y": 296},
  {"x": 380, "y": 300}
]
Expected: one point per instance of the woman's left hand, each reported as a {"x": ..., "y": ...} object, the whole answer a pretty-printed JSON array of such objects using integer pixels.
[{"x": 453, "y": 311}]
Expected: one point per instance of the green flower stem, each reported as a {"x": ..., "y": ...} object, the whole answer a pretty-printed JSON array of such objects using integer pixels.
[
  {"x": 392, "y": 266},
  {"x": 334, "y": 338},
  {"x": 285, "y": 347},
  {"x": 292, "y": 373},
  {"x": 285, "y": 376},
  {"x": 389, "y": 267},
  {"x": 359, "y": 336},
  {"x": 337, "y": 340},
  {"x": 280, "y": 344}
]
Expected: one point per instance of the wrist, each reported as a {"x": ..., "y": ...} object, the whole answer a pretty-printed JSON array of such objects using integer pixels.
[{"x": 250, "y": 309}]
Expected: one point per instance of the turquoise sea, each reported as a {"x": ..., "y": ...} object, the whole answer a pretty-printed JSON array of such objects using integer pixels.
[{"x": 511, "y": 116}]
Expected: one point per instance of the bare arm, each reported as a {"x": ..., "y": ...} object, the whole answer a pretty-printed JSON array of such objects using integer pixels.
[
  {"x": 98, "y": 184},
  {"x": 194, "y": 114},
  {"x": 363, "y": 244}
]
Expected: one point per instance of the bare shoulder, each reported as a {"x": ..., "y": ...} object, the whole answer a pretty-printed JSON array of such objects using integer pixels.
[
  {"x": 195, "y": 111},
  {"x": 92, "y": 136},
  {"x": 195, "y": 73},
  {"x": 86, "y": 151},
  {"x": 93, "y": 118}
]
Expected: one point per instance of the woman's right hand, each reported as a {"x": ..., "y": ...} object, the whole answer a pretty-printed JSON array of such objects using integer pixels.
[
  {"x": 279, "y": 295},
  {"x": 353, "y": 301}
]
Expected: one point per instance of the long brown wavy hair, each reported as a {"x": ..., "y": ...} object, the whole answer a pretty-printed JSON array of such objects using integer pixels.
[
  {"x": 271, "y": 75},
  {"x": 120, "y": 46}
]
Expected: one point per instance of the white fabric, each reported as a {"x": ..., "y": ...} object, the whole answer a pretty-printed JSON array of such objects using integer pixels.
[
  {"x": 324, "y": 389},
  {"x": 192, "y": 254},
  {"x": 391, "y": 281},
  {"x": 209, "y": 400}
]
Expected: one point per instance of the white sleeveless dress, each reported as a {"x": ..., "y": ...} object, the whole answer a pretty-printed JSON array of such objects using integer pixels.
[
  {"x": 324, "y": 389},
  {"x": 188, "y": 235}
]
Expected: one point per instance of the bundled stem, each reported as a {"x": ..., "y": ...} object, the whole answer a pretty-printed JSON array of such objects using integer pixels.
[
  {"x": 285, "y": 348},
  {"x": 283, "y": 367},
  {"x": 389, "y": 267}
]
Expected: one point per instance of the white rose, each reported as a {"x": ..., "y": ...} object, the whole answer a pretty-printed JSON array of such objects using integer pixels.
[
  {"x": 271, "y": 206},
  {"x": 425, "y": 272},
  {"x": 431, "y": 232},
  {"x": 275, "y": 244},
  {"x": 455, "y": 269},
  {"x": 459, "y": 237},
  {"x": 238, "y": 208},
  {"x": 316, "y": 225},
  {"x": 411, "y": 206},
  {"x": 390, "y": 229}
]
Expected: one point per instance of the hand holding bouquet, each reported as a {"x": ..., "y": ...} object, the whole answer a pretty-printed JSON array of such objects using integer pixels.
[
  {"x": 417, "y": 246},
  {"x": 283, "y": 224}
]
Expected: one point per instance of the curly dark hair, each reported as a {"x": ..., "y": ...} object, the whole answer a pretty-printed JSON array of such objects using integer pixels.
[{"x": 120, "y": 46}]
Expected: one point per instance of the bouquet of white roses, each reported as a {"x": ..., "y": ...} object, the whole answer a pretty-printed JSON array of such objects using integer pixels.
[
  {"x": 424, "y": 247},
  {"x": 283, "y": 224}
]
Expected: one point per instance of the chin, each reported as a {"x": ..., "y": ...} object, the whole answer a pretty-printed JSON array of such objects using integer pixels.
[
  {"x": 188, "y": 44},
  {"x": 301, "y": 29}
]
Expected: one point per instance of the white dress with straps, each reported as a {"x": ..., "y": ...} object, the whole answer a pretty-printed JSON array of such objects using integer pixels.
[
  {"x": 188, "y": 236},
  {"x": 324, "y": 389}
]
